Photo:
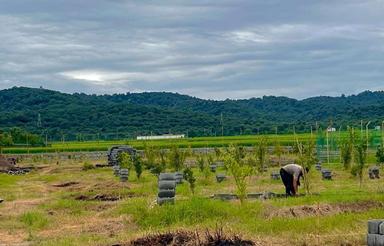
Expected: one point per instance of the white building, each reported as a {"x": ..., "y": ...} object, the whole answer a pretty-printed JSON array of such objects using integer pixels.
[
  {"x": 331, "y": 129},
  {"x": 165, "y": 136}
]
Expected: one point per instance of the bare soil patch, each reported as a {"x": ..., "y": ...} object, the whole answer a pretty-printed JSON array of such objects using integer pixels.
[
  {"x": 17, "y": 207},
  {"x": 325, "y": 209},
  {"x": 66, "y": 184},
  {"x": 98, "y": 197},
  {"x": 15, "y": 238}
]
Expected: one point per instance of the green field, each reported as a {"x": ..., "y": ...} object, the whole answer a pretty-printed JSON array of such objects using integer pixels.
[{"x": 197, "y": 142}]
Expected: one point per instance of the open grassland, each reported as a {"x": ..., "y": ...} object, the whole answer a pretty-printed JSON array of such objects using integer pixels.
[{"x": 63, "y": 205}]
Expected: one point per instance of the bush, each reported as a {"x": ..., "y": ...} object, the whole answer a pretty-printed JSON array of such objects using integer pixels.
[
  {"x": 177, "y": 158},
  {"x": 137, "y": 164},
  {"x": 87, "y": 166},
  {"x": 380, "y": 154},
  {"x": 200, "y": 162},
  {"x": 125, "y": 160},
  {"x": 188, "y": 176},
  {"x": 239, "y": 170},
  {"x": 360, "y": 159}
]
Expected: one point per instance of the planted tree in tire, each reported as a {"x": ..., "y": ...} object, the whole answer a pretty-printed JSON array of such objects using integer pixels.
[
  {"x": 306, "y": 158},
  {"x": 239, "y": 170},
  {"x": 278, "y": 151},
  {"x": 188, "y": 176},
  {"x": 150, "y": 155},
  {"x": 137, "y": 164},
  {"x": 177, "y": 158},
  {"x": 125, "y": 160},
  {"x": 346, "y": 149},
  {"x": 200, "y": 162},
  {"x": 261, "y": 153},
  {"x": 380, "y": 154},
  {"x": 360, "y": 151}
]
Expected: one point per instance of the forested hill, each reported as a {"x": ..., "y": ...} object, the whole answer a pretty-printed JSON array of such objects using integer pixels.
[{"x": 123, "y": 115}]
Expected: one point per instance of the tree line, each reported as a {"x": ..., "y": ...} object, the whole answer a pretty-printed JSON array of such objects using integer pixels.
[{"x": 74, "y": 116}]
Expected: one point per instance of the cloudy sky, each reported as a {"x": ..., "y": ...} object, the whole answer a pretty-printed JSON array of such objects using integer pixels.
[{"x": 209, "y": 49}]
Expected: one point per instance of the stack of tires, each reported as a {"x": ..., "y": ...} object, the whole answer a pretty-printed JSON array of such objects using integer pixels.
[
  {"x": 116, "y": 170},
  {"x": 375, "y": 235},
  {"x": 213, "y": 168},
  {"x": 220, "y": 177},
  {"x": 124, "y": 173},
  {"x": 374, "y": 173},
  {"x": 318, "y": 166},
  {"x": 326, "y": 174},
  {"x": 167, "y": 188},
  {"x": 113, "y": 153},
  {"x": 275, "y": 175},
  {"x": 179, "y": 176}
]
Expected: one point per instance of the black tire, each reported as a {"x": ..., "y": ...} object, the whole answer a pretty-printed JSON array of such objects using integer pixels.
[
  {"x": 167, "y": 184},
  {"x": 161, "y": 201},
  {"x": 166, "y": 193},
  {"x": 167, "y": 176}
]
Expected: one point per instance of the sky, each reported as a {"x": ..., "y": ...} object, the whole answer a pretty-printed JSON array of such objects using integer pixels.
[{"x": 208, "y": 49}]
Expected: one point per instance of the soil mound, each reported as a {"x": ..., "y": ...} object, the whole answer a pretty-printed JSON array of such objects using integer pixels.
[{"x": 325, "y": 209}]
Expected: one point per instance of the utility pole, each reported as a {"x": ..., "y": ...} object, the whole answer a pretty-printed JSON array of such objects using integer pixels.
[
  {"x": 367, "y": 132},
  {"x": 311, "y": 133},
  {"x": 27, "y": 143},
  {"x": 222, "y": 126},
  {"x": 327, "y": 145},
  {"x": 340, "y": 141},
  {"x": 39, "y": 120},
  {"x": 382, "y": 131},
  {"x": 361, "y": 129}
]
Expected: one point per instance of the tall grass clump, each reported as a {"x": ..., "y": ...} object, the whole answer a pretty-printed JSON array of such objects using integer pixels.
[
  {"x": 190, "y": 212},
  {"x": 33, "y": 220}
]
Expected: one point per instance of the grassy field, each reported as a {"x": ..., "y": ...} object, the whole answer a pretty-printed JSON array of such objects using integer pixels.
[
  {"x": 58, "y": 205},
  {"x": 197, "y": 142}
]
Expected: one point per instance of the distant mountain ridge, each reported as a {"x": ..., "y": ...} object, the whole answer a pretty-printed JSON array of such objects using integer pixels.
[{"x": 133, "y": 114}]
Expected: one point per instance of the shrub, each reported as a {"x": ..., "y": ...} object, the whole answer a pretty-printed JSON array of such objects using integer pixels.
[
  {"x": 346, "y": 149},
  {"x": 307, "y": 158},
  {"x": 380, "y": 154},
  {"x": 261, "y": 153},
  {"x": 360, "y": 160},
  {"x": 176, "y": 158},
  {"x": 188, "y": 176},
  {"x": 87, "y": 166},
  {"x": 137, "y": 164},
  {"x": 239, "y": 170},
  {"x": 125, "y": 160},
  {"x": 200, "y": 162}
]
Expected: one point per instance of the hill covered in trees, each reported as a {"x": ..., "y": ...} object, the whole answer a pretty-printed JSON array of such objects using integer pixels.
[{"x": 81, "y": 116}]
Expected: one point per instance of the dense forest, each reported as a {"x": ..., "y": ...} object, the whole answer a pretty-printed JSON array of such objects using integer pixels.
[{"x": 57, "y": 115}]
